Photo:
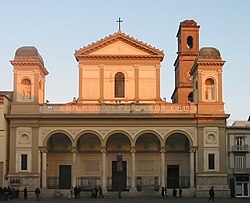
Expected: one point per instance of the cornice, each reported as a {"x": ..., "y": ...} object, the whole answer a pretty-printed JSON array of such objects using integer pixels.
[
  {"x": 120, "y": 57},
  {"x": 118, "y": 37},
  {"x": 210, "y": 63},
  {"x": 30, "y": 63}
]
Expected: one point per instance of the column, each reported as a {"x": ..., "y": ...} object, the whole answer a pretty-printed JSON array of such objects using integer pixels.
[
  {"x": 133, "y": 189},
  {"x": 44, "y": 169},
  {"x": 136, "y": 82},
  {"x": 35, "y": 94},
  {"x": 101, "y": 82},
  {"x": 15, "y": 85},
  {"x": 158, "y": 98},
  {"x": 104, "y": 176},
  {"x": 80, "y": 82},
  {"x": 74, "y": 175},
  {"x": 163, "y": 166},
  {"x": 191, "y": 168},
  {"x": 219, "y": 86}
]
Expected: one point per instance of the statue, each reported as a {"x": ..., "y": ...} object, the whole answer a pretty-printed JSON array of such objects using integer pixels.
[{"x": 26, "y": 92}]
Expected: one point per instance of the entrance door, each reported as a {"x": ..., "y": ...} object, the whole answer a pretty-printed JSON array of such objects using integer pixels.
[
  {"x": 119, "y": 177},
  {"x": 65, "y": 176},
  {"x": 242, "y": 189},
  {"x": 173, "y": 176}
]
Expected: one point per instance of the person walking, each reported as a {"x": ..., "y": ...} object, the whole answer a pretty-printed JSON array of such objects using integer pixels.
[
  {"x": 37, "y": 192},
  {"x": 119, "y": 193},
  {"x": 100, "y": 192},
  {"x": 163, "y": 191},
  {"x": 174, "y": 193},
  {"x": 25, "y": 193},
  {"x": 180, "y": 192},
  {"x": 211, "y": 194}
]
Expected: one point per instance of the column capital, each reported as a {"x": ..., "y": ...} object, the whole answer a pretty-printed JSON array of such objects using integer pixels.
[
  {"x": 132, "y": 150},
  {"x": 192, "y": 149},
  {"x": 136, "y": 66},
  {"x": 74, "y": 150},
  {"x": 43, "y": 150},
  {"x": 157, "y": 66},
  {"x": 101, "y": 65},
  {"x": 163, "y": 150},
  {"x": 103, "y": 150}
]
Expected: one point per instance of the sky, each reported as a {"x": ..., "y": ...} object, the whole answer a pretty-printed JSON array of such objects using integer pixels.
[{"x": 59, "y": 27}]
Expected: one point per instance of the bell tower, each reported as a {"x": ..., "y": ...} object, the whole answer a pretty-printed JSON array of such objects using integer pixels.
[
  {"x": 29, "y": 76},
  {"x": 207, "y": 81},
  {"x": 188, "y": 48}
]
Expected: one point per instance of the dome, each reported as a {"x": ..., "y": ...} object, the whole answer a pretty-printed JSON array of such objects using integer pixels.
[
  {"x": 28, "y": 52},
  {"x": 209, "y": 52}
]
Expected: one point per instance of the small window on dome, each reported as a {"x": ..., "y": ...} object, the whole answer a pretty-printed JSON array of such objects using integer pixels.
[{"x": 190, "y": 42}]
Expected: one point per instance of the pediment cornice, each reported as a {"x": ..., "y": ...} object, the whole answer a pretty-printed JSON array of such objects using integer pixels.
[{"x": 152, "y": 52}]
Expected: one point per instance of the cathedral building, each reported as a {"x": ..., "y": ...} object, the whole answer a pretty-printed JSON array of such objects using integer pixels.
[{"x": 119, "y": 133}]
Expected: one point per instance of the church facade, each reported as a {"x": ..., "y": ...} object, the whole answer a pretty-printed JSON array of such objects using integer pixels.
[{"x": 119, "y": 133}]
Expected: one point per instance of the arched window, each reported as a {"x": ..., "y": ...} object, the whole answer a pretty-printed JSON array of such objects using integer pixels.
[
  {"x": 210, "y": 89},
  {"x": 26, "y": 88},
  {"x": 190, "y": 42},
  {"x": 119, "y": 85}
]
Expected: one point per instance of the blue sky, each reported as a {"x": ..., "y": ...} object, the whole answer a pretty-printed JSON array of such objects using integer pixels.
[{"x": 59, "y": 27}]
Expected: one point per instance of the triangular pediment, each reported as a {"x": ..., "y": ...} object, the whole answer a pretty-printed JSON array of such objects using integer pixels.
[
  {"x": 119, "y": 45},
  {"x": 119, "y": 48}
]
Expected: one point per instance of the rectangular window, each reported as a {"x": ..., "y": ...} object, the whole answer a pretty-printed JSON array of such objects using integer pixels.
[
  {"x": 211, "y": 164},
  {"x": 24, "y": 162},
  {"x": 240, "y": 163}
]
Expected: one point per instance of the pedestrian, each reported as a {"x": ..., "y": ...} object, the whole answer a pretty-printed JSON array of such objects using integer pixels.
[
  {"x": 174, "y": 193},
  {"x": 37, "y": 192},
  {"x": 25, "y": 193},
  {"x": 119, "y": 193},
  {"x": 163, "y": 191},
  {"x": 17, "y": 193},
  {"x": 180, "y": 192},
  {"x": 71, "y": 195},
  {"x": 100, "y": 192},
  {"x": 9, "y": 193},
  {"x": 211, "y": 194},
  {"x": 92, "y": 192}
]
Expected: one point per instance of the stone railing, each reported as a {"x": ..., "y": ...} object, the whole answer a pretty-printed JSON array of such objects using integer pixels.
[
  {"x": 240, "y": 148},
  {"x": 163, "y": 108}
]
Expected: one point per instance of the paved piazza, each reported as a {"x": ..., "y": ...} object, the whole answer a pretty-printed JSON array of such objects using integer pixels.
[{"x": 137, "y": 199}]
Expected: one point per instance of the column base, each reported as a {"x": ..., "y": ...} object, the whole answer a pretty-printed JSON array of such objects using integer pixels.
[
  {"x": 104, "y": 190},
  {"x": 133, "y": 190}
]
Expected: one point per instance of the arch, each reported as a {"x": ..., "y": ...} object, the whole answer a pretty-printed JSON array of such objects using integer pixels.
[
  {"x": 45, "y": 141},
  {"x": 148, "y": 141},
  {"x": 119, "y": 85},
  {"x": 59, "y": 142},
  {"x": 112, "y": 74},
  {"x": 191, "y": 141},
  {"x": 118, "y": 141},
  {"x": 148, "y": 131},
  {"x": 90, "y": 132},
  {"x": 117, "y": 132},
  {"x": 88, "y": 141},
  {"x": 177, "y": 142}
]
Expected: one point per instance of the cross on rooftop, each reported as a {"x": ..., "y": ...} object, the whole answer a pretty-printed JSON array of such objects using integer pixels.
[{"x": 119, "y": 21}]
